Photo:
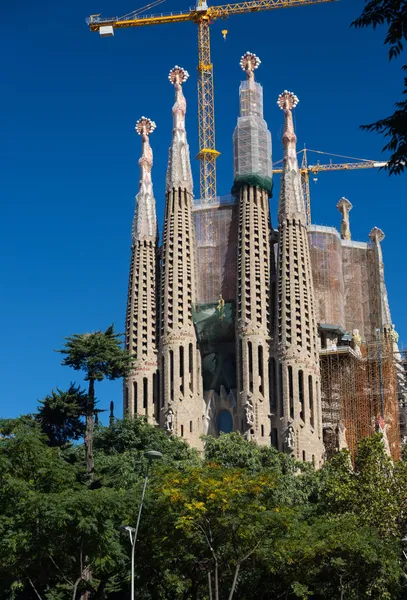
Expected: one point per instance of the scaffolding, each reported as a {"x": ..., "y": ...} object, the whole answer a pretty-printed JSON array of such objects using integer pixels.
[
  {"x": 359, "y": 393},
  {"x": 327, "y": 273},
  {"x": 346, "y": 282},
  {"x": 216, "y": 256}
]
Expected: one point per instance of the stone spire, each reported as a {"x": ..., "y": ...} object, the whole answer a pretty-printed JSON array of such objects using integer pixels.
[
  {"x": 145, "y": 220},
  {"x": 251, "y": 138},
  {"x": 140, "y": 387},
  {"x": 253, "y": 287},
  {"x": 384, "y": 318},
  {"x": 298, "y": 411},
  {"x": 291, "y": 194},
  {"x": 179, "y": 358},
  {"x": 179, "y": 173},
  {"x": 344, "y": 207}
]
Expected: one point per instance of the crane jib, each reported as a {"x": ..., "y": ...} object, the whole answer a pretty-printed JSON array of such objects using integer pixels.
[{"x": 203, "y": 15}]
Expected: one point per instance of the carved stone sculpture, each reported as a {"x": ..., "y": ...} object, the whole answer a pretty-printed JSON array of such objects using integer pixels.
[{"x": 169, "y": 421}]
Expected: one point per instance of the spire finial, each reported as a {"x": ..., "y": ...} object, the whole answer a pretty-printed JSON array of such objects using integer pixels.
[
  {"x": 344, "y": 207},
  {"x": 177, "y": 77},
  {"x": 376, "y": 235},
  {"x": 249, "y": 62},
  {"x": 145, "y": 222},
  {"x": 145, "y": 128},
  {"x": 291, "y": 194},
  {"x": 287, "y": 101},
  {"x": 179, "y": 168}
]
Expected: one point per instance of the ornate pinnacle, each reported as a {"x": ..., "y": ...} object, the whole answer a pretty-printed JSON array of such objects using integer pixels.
[
  {"x": 376, "y": 235},
  {"x": 179, "y": 168},
  {"x": 145, "y": 126},
  {"x": 287, "y": 100},
  {"x": 178, "y": 75},
  {"x": 344, "y": 207},
  {"x": 249, "y": 62},
  {"x": 291, "y": 194},
  {"x": 144, "y": 222}
]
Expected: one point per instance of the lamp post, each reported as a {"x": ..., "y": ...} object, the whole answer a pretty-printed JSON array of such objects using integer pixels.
[{"x": 133, "y": 531}]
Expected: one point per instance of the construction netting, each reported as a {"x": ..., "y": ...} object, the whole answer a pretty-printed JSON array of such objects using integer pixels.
[
  {"x": 252, "y": 140},
  {"x": 215, "y": 328},
  {"x": 326, "y": 259},
  {"x": 360, "y": 394},
  {"x": 216, "y": 240},
  {"x": 345, "y": 276}
]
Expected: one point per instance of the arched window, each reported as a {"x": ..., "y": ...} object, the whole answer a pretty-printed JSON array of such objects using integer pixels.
[{"x": 225, "y": 422}]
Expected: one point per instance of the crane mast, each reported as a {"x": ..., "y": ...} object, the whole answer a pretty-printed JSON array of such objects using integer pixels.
[{"x": 203, "y": 15}]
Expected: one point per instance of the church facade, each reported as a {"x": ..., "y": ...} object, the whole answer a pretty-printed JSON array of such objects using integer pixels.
[{"x": 239, "y": 324}]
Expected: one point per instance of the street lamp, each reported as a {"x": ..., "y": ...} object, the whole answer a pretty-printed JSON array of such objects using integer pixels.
[{"x": 133, "y": 531}]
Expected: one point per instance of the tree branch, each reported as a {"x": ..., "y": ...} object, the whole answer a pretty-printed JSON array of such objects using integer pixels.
[
  {"x": 34, "y": 588},
  {"x": 60, "y": 570}
]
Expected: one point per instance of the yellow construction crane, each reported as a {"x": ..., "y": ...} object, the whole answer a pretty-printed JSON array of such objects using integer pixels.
[
  {"x": 203, "y": 15},
  {"x": 307, "y": 170}
]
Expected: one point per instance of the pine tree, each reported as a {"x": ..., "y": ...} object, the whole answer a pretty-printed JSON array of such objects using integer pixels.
[{"x": 100, "y": 356}]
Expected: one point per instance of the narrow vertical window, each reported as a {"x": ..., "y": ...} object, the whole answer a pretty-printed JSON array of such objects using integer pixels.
[
  {"x": 191, "y": 367},
  {"x": 272, "y": 383},
  {"x": 181, "y": 368},
  {"x": 190, "y": 426},
  {"x": 154, "y": 387},
  {"x": 145, "y": 392},
  {"x": 311, "y": 400},
  {"x": 313, "y": 459},
  {"x": 262, "y": 431},
  {"x": 291, "y": 391},
  {"x": 172, "y": 374},
  {"x": 241, "y": 366},
  {"x": 135, "y": 397},
  {"x": 157, "y": 402},
  {"x": 250, "y": 351},
  {"x": 281, "y": 389},
  {"x": 301, "y": 393},
  {"x": 162, "y": 381},
  {"x": 261, "y": 372},
  {"x": 182, "y": 431},
  {"x": 303, "y": 455}
]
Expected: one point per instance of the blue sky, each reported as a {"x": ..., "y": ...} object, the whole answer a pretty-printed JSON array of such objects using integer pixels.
[{"x": 69, "y": 101}]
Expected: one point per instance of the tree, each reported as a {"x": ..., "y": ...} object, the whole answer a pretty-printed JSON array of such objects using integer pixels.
[
  {"x": 393, "y": 13},
  {"x": 61, "y": 415},
  {"x": 225, "y": 516},
  {"x": 99, "y": 355}
]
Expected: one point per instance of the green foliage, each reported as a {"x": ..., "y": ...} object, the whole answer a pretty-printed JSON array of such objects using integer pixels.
[
  {"x": 119, "y": 451},
  {"x": 244, "y": 517},
  {"x": 61, "y": 415},
  {"x": 393, "y": 13},
  {"x": 99, "y": 355}
]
